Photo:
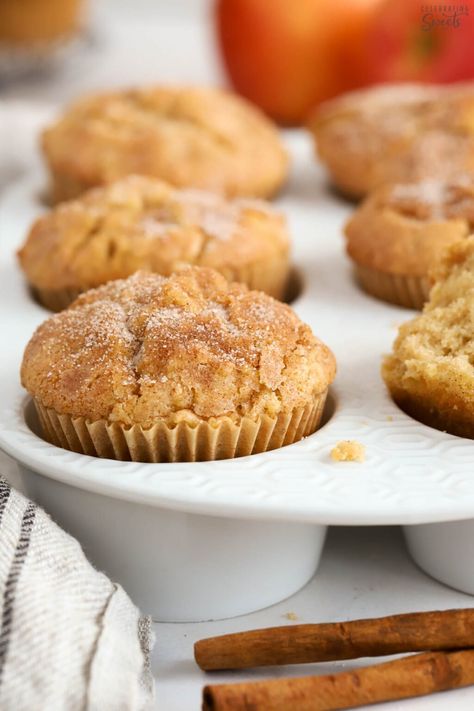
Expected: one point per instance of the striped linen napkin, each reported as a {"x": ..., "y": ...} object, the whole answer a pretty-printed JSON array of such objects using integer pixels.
[{"x": 69, "y": 638}]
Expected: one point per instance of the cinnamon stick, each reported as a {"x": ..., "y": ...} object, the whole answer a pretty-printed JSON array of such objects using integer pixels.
[
  {"x": 299, "y": 644},
  {"x": 415, "y": 675}
]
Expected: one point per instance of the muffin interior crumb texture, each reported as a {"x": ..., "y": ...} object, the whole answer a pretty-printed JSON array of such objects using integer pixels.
[
  {"x": 348, "y": 450},
  {"x": 191, "y": 346},
  {"x": 431, "y": 370}
]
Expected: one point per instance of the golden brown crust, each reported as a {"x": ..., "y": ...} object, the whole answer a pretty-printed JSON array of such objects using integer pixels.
[
  {"x": 396, "y": 134},
  {"x": 142, "y": 223},
  {"x": 191, "y": 346},
  {"x": 403, "y": 229},
  {"x": 190, "y": 137},
  {"x": 430, "y": 372}
]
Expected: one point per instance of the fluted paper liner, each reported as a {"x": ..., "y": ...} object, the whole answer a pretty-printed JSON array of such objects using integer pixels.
[
  {"x": 447, "y": 421},
  {"x": 409, "y": 291},
  {"x": 224, "y": 439},
  {"x": 272, "y": 278},
  {"x": 55, "y": 299}
]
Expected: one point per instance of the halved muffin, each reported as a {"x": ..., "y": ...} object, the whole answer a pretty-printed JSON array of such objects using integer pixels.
[{"x": 430, "y": 373}]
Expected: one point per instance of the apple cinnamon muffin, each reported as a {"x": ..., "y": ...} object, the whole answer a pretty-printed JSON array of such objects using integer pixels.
[
  {"x": 141, "y": 223},
  {"x": 181, "y": 368},
  {"x": 33, "y": 22},
  {"x": 400, "y": 231},
  {"x": 430, "y": 372},
  {"x": 399, "y": 133},
  {"x": 190, "y": 137}
]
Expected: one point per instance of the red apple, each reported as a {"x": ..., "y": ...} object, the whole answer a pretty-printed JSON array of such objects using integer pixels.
[
  {"x": 421, "y": 41},
  {"x": 288, "y": 55}
]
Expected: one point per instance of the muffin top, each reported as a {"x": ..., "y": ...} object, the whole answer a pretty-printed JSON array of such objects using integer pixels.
[
  {"x": 375, "y": 100},
  {"x": 433, "y": 355},
  {"x": 364, "y": 120},
  {"x": 143, "y": 223},
  {"x": 392, "y": 112},
  {"x": 405, "y": 227},
  {"x": 367, "y": 104},
  {"x": 432, "y": 200},
  {"x": 199, "y": 137},
  {"x": 421, "y": 131},
  {"x": 188, "y": 347}
]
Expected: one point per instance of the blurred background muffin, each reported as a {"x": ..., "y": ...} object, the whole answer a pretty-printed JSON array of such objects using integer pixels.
[
  {"x": 190, "y": 137},
  {"x": 400, "y": 232},
  {"x": 34, "y": 34},
  {"x": 31, "y": 21},
  {"x": 396, "y": 134},
  {"x": 142, "y": 223}
]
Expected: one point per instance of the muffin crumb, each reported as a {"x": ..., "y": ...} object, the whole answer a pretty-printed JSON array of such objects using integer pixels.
[
  {"x": 430, "y": 373},
  {"x": 348, "y": 450},
  {"x": 291, "y": 616}
]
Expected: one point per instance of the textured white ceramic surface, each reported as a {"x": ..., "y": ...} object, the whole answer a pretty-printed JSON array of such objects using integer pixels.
[
  {"x": 183, "y": 567},
  {"x": 412, "y": 473},
  {"x": 445, "y": 551}
]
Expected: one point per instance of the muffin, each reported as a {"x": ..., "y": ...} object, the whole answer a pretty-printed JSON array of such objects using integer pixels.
[
  {"x": 400, "y": 133},
  {"x": 37, "y": 21},
  {"x": 189, "y": 137},
  {"x": 142, "y": 223},
  {"x": 399, "y": 232},
  {"x": 181, "y": 368},
  {"x": 430, "y": 372}
]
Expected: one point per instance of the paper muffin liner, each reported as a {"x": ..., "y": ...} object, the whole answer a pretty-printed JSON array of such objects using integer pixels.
[
  {"x": 446, "y": 420},
  {"x": 409, "y": 291},
  {"x": 271, "y": 276},
  {"x": 224, "y": 439},
  {"x": 63, "y": 186},
  {"x": 55, "y": 299}
]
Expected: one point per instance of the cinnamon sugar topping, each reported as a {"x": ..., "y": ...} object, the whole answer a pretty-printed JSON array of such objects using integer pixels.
[
  {"x": 435, "y": 199},
  {"x": 143, "y": 223},
  {"x": 147, "y": 347}
]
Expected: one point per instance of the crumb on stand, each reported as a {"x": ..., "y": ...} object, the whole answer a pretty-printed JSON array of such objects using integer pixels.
[{"x": 348, "y": 451}]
